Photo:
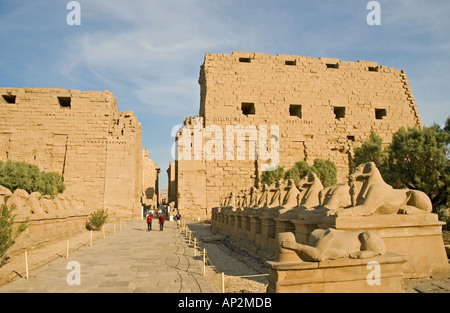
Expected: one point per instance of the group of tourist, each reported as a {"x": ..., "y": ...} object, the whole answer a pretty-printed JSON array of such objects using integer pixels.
[{"x": 161, "y": 215}]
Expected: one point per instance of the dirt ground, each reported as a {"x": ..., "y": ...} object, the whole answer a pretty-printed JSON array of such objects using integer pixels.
[{"x": 225, "y": 256}]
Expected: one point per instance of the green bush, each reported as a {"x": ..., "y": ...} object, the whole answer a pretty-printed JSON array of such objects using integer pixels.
[
  {"x": 96, "y": 220},
  {"x": 417, "y": 159},
  {"x": 325, "y": 170},
  {"x": 268, "y": 177},
  {"x": 21, "y": 175},
  {"x": 444, "y": 216},
  {"x": 298, "y": 171},
  {"x": 371, "y": 150},
  {"x": 8, "y": 234},
  {"x": 447, "y": 125}
]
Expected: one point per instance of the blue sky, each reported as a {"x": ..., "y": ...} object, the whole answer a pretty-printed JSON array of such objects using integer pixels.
[{"x": 149, "y": 53}]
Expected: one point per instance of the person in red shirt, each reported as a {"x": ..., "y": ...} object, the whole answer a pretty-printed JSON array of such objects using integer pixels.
[
  {"x": 161, "y": 221},
  {"x": 149, "y": 221}
]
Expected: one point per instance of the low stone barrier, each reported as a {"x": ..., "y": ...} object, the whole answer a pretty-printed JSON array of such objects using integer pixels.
[
  {"x": 49, "y": 218},
  {"x": 41, "y": 231}
]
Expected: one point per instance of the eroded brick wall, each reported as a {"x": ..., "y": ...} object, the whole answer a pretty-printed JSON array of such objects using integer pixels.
[
  {"x": 80, "y": 135},
  {"x": 150, "y": 188},
  {"x": 323, "y": 108}
]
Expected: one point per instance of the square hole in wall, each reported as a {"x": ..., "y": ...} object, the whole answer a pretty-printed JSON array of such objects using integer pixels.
[
  {"x": 245, "y": 60},
  {"x": 333, "y": 65},
  {"x": 65, "y": 102},
  {"x": 290, "y": 62},
  {"x": 373, "y": 68},
  {"x": 351, "y": 138},
  {"x": 339, "y": 112},
  {"x": 9, "y": 98},
  {"x": 380, "y": 113},
  {"x": 248, "y": 108},
  {"x": 295, "y": 110}
]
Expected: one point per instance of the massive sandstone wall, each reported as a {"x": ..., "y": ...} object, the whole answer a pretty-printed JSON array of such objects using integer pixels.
[
  {"x": 150, "y": 180},
  {"x": 80, "y": 135},
  {"x": 171, "y": 184},
  {"x": 322, "y": 107}
]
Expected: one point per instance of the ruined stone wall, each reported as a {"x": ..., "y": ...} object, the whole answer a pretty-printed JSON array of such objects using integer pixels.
[
  {"x": 80, "y": 135},
  {"x": 322, "y": 107},
  {"x": 150, "y": 188},
  {"x": 171, "y": 184},
  {"x": 190, "y": 174},
  {"x": 123, "y": 177}
]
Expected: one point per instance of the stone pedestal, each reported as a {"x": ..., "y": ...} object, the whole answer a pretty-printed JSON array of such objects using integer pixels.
[
  {"x": 303, "y": 229},
  {"x": 255, "y": 228},
  {"x": 215, "y": 219},
  {"x": 268, "y": 232},
  {"x": 230, "y": 223},
  {"x": 284, "y": 225},
  {"x": 240, "y": 226},
  {"x": 418, "y": 237},
  {"x": 245, "y": 227},
  {"x": 338, "y": 276}
]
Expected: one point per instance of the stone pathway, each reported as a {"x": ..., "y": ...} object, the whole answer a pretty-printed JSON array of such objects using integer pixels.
[{"x": 132, "y": 260}]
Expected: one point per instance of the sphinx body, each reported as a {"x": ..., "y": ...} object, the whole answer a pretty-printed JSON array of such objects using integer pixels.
[
  {"x": 313, "y": 187},
  {"x": 333, "y": 244},
  {"x": 371, "y": 195}
]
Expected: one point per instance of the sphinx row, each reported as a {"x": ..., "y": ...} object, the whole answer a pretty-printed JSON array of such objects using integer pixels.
[
  {"x": 258, "y": 215},
  {"x": 49, "y": 219}
]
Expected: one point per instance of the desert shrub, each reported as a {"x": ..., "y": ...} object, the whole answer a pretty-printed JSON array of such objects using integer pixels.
[
  {"x": 325, "y": 169},
  {"x": 21, "y": 175},
  {"x": 8, "y": 233},
  {"x": 268, "y": 177},
  {"x": 371, "y": 150},
  {"x": 96, "y": 220},
  {"x": 444, "y": 215},
  {"x": 417, "y": 159},
  {"x": 298, "y": 171}
]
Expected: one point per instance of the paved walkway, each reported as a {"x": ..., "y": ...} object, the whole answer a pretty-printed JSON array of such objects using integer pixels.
[
  {"x": 132, "y": 260},
  {"x": 135, "y": 260}
]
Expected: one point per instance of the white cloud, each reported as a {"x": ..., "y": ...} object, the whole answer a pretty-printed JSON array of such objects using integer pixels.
[
  {"x": 148, "y": 52},
  {"x": 153, "y": 48},
  {"x": 152, "y": 53}
]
